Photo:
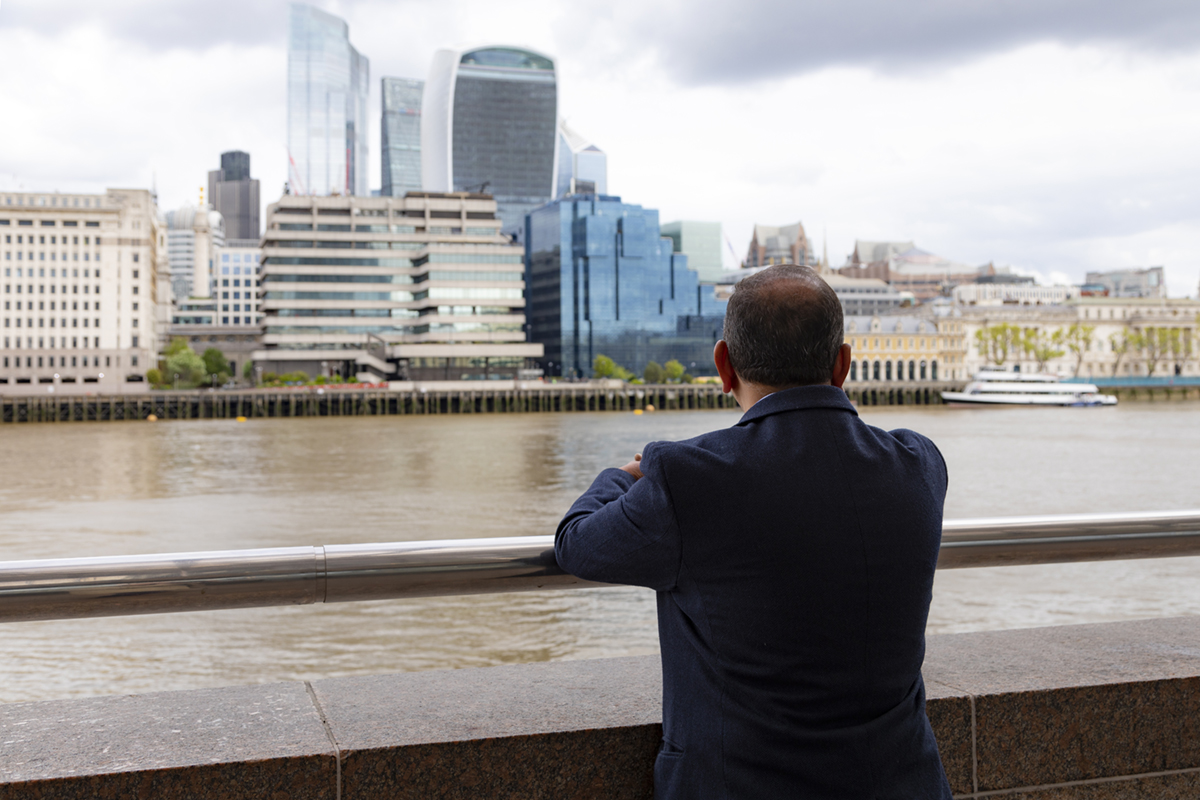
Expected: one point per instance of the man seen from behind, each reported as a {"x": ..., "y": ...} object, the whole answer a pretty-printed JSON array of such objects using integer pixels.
[{"x": 793, "y": 556}]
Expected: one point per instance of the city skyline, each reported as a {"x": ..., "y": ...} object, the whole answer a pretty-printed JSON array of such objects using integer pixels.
[{"x": 1052, "y": 145}]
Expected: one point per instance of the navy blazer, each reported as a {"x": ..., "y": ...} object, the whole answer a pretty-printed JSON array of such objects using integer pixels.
[{"x": 793, "y": 555}]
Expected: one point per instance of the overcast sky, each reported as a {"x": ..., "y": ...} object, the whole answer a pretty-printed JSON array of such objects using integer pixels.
[{"x": 1054, "y": 136}]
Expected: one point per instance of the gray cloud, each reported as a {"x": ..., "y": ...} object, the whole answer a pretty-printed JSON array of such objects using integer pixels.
[
  {"x": 729, "y": 43},
  {"x": 163, "y": 25}
]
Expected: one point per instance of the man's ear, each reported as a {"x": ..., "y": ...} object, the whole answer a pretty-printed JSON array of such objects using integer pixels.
[
  {"x": 841, "y": 366},
  {"x": 729, "y": 378}
]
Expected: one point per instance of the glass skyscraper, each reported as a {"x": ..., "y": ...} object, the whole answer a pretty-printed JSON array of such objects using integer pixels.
[
  {"x": 600, "y": 280},
  {"x": 327, "y": 106},
  {"x": 582, "y": 167},
  {"x": 701, "y": 242},
  {"x": 401, "y": 136},
  {"x": 489, "y": 124}
]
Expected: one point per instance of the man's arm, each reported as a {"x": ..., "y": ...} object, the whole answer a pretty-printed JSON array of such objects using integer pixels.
[{"x": 623, "y": 529}]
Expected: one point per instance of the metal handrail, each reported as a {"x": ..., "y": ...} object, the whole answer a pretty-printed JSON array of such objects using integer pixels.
[{"x": 146, "y": 584}]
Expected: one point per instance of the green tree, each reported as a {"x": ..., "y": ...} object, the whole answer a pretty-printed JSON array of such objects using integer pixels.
[
  {"x": 177, "y": 346},
  {"x": 154, "y": 376},
  {"x": 674, "y": 371},
  {"x": 1179, "y": 346},
  {"x": 248, "y": 370},
  {"x": 997, "y": 342},
  {"x": 215, "y": 363},
  {"x": 605, "y": 367},
  {"x": 1042, "y": 346},
  {"x": 1078, "y": 339},
  {"x": 187, "y": 365},
  {"x": 1122, "y": 343},
  {"x": 1155, "y": 344},
  {"x": 653, "y": 373}
]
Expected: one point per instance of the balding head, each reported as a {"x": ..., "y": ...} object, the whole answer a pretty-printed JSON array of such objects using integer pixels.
[{"x": 783, "y": 327}]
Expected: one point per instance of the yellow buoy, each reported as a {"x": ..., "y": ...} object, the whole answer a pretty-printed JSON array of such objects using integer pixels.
[
  {"x": 649, "y": 407},
  {"x": 152, "y": 418},
  {"x": 637, "y": 411},
  {"x": 241, "y": 419}
]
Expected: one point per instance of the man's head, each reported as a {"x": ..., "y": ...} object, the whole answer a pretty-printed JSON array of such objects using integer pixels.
[{"x": 783, "y": 328}]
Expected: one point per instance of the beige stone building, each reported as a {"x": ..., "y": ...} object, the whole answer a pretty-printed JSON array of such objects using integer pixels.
[
  {"x": 1111, "y": 319},
  {"x": 906, "y": 347},
  {"x": 85, "y": 290}
]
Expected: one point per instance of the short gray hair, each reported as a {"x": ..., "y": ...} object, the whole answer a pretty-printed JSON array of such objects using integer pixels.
[{"x": 783, "y": 327}]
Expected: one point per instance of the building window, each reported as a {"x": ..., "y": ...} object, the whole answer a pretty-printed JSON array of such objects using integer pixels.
[
  {"x": 876, "y": 371},
  {"x": 933, "y": 370},
  {"x": 135, "y": 258},
  {"x": 134, "y": 341},
  {"x": 853, "y": 370},
  {"x": 888, "y": 370},
  {"x": 912, "y": 370},
  {"x": 922, "y": 370}
]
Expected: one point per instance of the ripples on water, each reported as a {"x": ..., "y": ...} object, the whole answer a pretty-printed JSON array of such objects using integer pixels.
[{"x": 119, "y": 488}]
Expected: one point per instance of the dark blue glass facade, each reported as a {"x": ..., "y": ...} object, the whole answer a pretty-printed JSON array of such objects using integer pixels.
[{"x": 600, "y": 280}]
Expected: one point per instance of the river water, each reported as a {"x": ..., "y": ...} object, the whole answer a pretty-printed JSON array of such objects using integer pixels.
[{"x": 121, "y": 488}]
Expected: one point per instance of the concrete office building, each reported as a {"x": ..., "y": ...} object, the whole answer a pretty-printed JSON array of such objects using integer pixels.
[
  {"x": 421, "y": 287},
  {"x": 701, "y": 243},
  {"x": 582, "y": 166},
  {"x": 193, "y": 237},
  {"x": 489, "y": 123},
  {"x": 1024, "y": 293},
  {"x": 859, "y": 296},
  {"x": 236, "y": 285},
  {"x": 1124, "y": 283},
  {"x": 327, "y": 106},
  {"x": 82, "y": 289},
  {"x": 233, "y": 193},
  {"x": 603, "y": 281},
  {"x": 229, "y": 320},
  {"x": 400, "y": 136}
]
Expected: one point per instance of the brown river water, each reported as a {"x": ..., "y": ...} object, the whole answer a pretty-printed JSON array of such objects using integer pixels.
[{"x": 121, "y": 488}]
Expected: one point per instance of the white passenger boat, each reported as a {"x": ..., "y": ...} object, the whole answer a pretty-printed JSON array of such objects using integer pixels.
[{"x": 997, "y": 388}]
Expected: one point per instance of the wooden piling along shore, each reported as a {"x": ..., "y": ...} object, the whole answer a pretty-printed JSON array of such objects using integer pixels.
[{"x": 553, "y": 398}]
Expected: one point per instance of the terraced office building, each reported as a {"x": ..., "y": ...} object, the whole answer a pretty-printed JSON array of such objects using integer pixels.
[{"x": 420, "y": 287}]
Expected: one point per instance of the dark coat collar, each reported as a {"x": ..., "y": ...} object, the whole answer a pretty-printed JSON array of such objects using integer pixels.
[{"x": 799, "y": 398}]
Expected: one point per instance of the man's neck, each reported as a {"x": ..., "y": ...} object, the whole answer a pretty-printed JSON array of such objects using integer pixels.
[{"x": 747, "y": 394}]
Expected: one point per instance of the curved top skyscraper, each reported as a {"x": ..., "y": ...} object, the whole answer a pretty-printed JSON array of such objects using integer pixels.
[
  {"x": 327, "y": 106},
  {"x": 489, "y": 124}
]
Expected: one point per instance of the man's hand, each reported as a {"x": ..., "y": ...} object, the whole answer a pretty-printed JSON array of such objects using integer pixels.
[{"x": 634, "y": 467}]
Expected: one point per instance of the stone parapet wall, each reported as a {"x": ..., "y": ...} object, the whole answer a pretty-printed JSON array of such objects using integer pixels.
[{"x": 1087, "y": 711}]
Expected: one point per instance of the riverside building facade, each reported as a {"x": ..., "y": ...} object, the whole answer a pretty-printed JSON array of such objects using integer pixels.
[
  {"x": 906, "y": 348},
  {"x": 420, "y": 287},
  {"x": 1122, "y": 336},
  {"x": 82, "y": 288},
  {"x": 602, "y": 280}
]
